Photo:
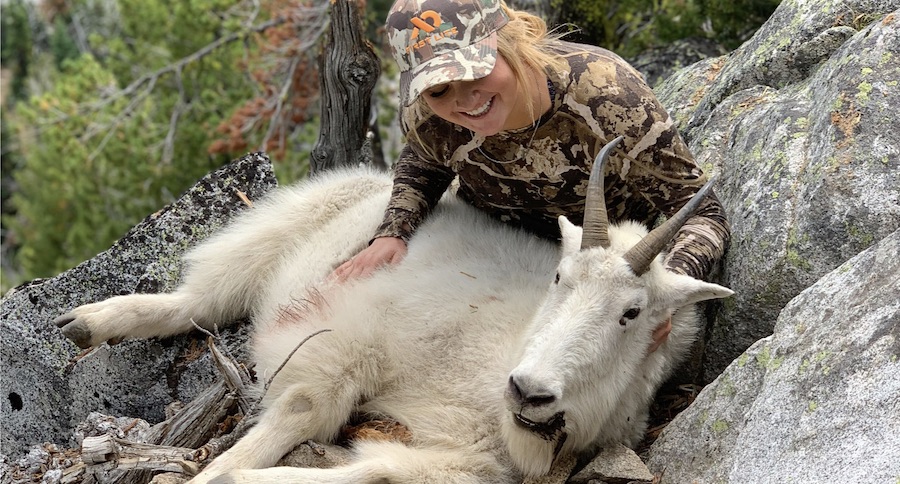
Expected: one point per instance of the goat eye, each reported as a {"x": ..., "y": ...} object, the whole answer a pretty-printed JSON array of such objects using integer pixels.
[
  {"x": 630, "y": 314},
  {"x": 557, "y": 278}
]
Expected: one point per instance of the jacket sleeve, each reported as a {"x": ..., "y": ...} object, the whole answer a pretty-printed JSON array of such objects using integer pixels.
[
  {"x": 701, "y": 242},
  {"x": 418, "y": 185},
  {"x": 659, "y": 168},
  {"x": 673, "y": 178}
]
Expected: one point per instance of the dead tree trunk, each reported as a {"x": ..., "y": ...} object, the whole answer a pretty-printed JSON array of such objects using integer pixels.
[{"x": 347, "y": 74}]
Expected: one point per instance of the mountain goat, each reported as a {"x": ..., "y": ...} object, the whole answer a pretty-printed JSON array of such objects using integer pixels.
[{"x": 499, "y": 351}]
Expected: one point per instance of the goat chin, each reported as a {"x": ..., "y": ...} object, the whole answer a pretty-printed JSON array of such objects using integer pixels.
[{"x": 531, "y": 454}]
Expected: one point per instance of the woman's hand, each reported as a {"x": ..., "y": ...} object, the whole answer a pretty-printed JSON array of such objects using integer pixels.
[{"x": 383, "y": 250}]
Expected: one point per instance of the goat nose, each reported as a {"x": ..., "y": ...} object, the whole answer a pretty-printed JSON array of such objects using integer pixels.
[{"x": 528, "y": 395}]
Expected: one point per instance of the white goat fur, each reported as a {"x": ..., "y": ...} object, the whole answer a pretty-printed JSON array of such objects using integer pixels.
[{"x": 431, "y": 342}]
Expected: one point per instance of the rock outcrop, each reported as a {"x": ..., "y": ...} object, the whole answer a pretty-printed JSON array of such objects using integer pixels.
[
  {"x": 802, "y": 126},
  {"x": 808, "y": 152},
  {"x": 815, "y": 402},
  {"x": 45, "y": 396}
]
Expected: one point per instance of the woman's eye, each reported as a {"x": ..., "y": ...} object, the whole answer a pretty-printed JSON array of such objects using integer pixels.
[{"x": 438, "y": 91}]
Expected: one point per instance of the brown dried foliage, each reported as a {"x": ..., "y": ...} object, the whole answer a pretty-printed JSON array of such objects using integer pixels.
[
  {"x": 50, "y": 9},
  {"x": 379, "y": 429},
  {"x": 286, "y": 74}
]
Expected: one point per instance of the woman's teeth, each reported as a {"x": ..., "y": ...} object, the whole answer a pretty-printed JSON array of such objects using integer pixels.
[{"x": 483, "y": 109}]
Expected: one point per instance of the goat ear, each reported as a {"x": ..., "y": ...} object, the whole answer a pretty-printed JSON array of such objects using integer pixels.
[
  {"x": 685, "y": 290},
  {"x": 571, "y": 236}
]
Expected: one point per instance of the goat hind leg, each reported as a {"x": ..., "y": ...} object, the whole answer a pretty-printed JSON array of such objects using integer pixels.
[
  {"x": 222, "y": 282},
  {"x": 210, "y": 295},
  {"x": 130, "y": 316}
]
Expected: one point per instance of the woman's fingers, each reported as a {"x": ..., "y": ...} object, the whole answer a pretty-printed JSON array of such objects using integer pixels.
[{"x": 382, "y": 251}]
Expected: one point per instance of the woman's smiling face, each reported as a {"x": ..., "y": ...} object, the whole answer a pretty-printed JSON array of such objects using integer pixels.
[{"x": 486, "y": 106}]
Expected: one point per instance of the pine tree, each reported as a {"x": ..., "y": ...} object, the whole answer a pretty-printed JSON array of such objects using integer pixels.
[{"x": 126, "y": 127}]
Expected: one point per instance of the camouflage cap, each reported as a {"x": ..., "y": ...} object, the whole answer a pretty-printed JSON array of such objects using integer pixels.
[{"x": 439, "y": 41}]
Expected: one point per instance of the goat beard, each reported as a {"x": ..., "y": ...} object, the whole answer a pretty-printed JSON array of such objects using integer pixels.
[
  {"x": 531, "y": 458},
  {"x": 550, "y": 430}
]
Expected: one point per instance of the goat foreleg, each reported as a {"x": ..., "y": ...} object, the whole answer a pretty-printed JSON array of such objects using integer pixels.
[
  {"x": 309, "y": 399},
  {"x": 388, "y": 462}
]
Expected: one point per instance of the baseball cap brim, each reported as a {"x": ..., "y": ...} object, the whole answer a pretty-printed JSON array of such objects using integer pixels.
[{"x": 464, "y": 64}]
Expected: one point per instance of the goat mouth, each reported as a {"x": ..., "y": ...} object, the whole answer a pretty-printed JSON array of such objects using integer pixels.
[{"x": 546, "y": 430}]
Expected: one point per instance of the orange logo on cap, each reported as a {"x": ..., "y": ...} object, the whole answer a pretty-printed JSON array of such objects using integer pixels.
[{"x": 421, "y": 23}]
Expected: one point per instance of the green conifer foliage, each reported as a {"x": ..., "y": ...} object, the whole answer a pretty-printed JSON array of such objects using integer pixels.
[
  {"x": 631, "y": 27},
  {"x": 61, "y": 43},
  {"x": 15, "y": 47},
  {"x": 71, "y": 198},
  {"x": 94, "y": 159}
]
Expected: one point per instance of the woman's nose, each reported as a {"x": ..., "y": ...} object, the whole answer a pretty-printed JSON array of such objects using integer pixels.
[{"x": 467, "y": 95}]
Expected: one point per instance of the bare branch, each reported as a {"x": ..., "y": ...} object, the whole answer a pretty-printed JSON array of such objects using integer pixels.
[
  {"x": 154, "y": 76},
  {"x": 117, "y": 121},
  {"x": 282, "y": 96},
  {"x": 236, "y": 379},
  {"x": 180, "y": 108},
  {"x": 204, "y": 330}
]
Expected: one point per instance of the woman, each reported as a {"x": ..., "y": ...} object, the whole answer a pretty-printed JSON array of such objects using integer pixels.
[{"x": 517, "y": 117}]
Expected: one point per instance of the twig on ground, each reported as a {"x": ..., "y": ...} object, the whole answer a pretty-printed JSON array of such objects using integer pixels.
[{"x": 289, "y": 356}]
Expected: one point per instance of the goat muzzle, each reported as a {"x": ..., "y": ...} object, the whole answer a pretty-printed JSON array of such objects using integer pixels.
[{"x": 546, "y": 430}]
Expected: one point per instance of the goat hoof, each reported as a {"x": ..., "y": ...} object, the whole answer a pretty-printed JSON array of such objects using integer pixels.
[
  {"x": 78, "y": 333},
  {"x": 223, "y": 479},
  {"x": 63, "y": 320}
]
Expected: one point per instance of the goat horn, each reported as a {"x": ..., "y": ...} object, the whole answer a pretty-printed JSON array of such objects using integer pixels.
[
  {"x": 642, "y": 254},
  {"x": 595, "y": 225}
]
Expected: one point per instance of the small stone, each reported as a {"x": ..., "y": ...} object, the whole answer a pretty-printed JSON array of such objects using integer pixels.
[{"x": 614, "y": 464}]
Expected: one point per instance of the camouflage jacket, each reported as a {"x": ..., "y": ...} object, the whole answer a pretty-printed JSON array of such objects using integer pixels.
[{"x": 599, "y": 98}]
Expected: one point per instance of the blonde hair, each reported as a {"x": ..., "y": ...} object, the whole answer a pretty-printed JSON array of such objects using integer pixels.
[{"x": 525, "y": 44}]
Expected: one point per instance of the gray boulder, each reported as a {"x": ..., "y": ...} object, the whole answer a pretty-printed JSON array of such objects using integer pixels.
[
  {"x": 45, "y": 394},
  {"x": 789, "y": 47},
  {"x": 808, "y": 151},
  {"x": 818, "y": 401}
]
